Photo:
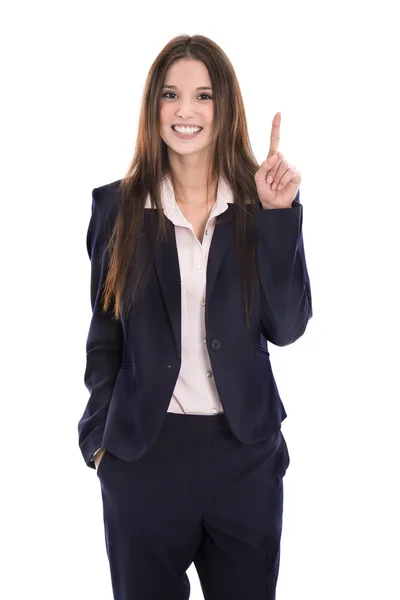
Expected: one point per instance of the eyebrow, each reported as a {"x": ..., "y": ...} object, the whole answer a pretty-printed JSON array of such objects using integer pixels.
[{"x": 174, "y": 87}]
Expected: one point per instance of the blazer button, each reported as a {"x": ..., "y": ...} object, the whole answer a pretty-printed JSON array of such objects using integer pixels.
[{"x": 215, "y": 344}]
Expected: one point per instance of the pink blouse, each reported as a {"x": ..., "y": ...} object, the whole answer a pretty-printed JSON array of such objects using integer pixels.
[{"x": 195, "y": 390}]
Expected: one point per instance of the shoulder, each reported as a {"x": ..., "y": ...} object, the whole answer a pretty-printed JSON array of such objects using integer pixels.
[
  {"x": 107, "y": 191},
  {"x": 105, "y": 198},
  {"x": 104, "y": 211}
]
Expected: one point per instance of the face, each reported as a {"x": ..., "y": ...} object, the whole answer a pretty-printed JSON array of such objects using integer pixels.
[{"x": 182, "y": 103}]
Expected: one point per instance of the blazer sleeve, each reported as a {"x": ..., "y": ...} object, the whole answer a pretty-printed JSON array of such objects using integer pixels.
[
  {"x": 286, "y": 304},
  {"x": 105, "y": 338}
]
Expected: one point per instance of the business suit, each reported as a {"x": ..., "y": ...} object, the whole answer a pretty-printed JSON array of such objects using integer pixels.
[{"x": 132, "y": 367}]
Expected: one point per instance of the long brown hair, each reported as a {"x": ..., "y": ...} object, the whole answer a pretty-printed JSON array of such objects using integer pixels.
[{"x": 229, "y": 155}]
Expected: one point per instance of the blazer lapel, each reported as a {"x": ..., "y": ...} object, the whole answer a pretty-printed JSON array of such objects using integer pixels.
[
  {"x": 224, "y": 229},
  {"x": 166, "y": 262}
]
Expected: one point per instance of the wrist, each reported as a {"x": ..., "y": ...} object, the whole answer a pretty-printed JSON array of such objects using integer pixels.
[{"x": 95, "y": 453}]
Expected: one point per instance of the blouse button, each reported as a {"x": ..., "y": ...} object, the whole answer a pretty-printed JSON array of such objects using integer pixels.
[{"x": 209, "y": 373}]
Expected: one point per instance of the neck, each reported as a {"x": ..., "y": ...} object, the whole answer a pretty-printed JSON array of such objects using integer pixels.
[
  {"x": 190, "y": 184},
  {"x": 195, "y": 195}
]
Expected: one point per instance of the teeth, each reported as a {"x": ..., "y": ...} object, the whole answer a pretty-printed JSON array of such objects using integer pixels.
[{"x": 187, "y": 130}]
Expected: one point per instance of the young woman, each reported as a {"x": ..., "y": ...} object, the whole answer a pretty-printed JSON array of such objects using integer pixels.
[{"x": 197, "y": 262}]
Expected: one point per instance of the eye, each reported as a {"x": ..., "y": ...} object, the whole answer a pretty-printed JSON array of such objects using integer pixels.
[{"x": 167, "y": 93}]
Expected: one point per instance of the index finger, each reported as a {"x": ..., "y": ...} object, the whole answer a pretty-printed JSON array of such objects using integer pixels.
[{"x": 275, "y": 134}]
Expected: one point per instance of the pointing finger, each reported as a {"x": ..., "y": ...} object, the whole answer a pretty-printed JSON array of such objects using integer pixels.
[{"x": 275, "y": 134}]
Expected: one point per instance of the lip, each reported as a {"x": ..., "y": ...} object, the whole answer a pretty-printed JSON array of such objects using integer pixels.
[{"x": 185, "y": 125}]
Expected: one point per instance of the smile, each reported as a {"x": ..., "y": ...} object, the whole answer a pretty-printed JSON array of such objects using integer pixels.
[{"x": 186, "y": 136}]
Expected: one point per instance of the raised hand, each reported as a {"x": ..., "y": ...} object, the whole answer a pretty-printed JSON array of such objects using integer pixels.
[{"x": 277, "y": 180}]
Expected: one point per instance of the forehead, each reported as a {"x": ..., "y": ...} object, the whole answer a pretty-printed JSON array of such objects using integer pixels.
[{"x": 186, "y": 73}]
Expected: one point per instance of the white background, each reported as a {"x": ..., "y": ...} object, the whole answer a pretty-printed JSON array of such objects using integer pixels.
[{"x": 73, "y": 75}]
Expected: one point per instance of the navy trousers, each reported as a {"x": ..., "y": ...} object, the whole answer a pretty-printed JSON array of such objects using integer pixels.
[{"x": 197, "y": 496}]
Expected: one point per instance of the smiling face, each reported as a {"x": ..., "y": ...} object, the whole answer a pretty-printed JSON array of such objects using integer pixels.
[{"x": 183, "y": 103}]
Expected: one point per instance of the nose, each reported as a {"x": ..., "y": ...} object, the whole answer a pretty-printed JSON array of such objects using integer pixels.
[{"x": 185, "y": 109}]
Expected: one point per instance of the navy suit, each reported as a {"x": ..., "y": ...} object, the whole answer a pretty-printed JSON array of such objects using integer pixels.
[
  {"x": 133, "y": 364},
  {"x": 132, "y": 367}
]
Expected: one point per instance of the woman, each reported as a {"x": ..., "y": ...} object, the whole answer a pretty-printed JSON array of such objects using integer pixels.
[{"x": 197, "y": 263}]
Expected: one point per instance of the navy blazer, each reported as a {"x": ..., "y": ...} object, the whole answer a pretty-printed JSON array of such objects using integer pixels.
[{"x": 132, "y": 365}]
